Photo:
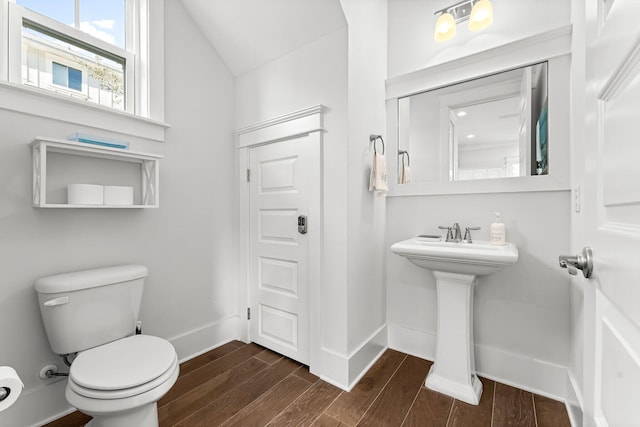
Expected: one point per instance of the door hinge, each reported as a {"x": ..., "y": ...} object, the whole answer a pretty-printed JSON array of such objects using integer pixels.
[
  {"x": 248, "y": 313},
  {"x": 248, "y": 175}
]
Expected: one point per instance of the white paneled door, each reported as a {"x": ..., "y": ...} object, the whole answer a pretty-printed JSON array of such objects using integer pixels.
[
  {"x": 284, "y": 199},
  {"x": 612, "y": 213}
]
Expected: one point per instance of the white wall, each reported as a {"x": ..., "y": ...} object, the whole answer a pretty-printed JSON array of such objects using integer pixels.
[
  {"x": 486, "y": 158},
  {"x": 366, "y": 309},
  {"x": 424, "y": 135},
  {"x": 411, "y": 28},
  {"x": 522, "y": 313},
  {"x": 189, "y": 243}
]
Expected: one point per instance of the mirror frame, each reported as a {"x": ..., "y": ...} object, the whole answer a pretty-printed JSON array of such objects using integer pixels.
[{"x": 554, "y": 47}]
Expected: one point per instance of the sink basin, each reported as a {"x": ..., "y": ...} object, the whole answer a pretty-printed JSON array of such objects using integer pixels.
[
  {"x": 477, "y": 258},
  {"x": 455, "y": 267}
]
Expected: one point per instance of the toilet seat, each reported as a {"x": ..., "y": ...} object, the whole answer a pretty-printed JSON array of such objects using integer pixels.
[{"x": 123, "y": 368}]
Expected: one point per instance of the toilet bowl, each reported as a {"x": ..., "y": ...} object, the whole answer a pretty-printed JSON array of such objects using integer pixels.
[
  {"x": 117, "y": 376},
  {"x": 120, "y": 382}
]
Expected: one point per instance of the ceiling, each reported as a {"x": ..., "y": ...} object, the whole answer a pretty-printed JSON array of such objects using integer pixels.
[
  {"x": 493, "y": 123},
  {"x": 249, "y": 33}
]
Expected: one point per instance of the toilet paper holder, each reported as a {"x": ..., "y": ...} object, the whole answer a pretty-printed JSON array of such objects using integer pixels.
[
  {"x": 10, "y": 387},
  {"x": 4, "y": 393}
]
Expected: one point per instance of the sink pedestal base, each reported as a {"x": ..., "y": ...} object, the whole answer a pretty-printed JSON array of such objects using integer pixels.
[{"x": 454, "y": 370}]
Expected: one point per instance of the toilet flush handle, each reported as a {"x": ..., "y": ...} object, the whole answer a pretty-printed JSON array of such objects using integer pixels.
[{"x": 56, "y": 301}]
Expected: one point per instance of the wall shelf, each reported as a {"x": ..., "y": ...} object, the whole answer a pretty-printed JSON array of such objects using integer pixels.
[{"x": 149, "y": 170}]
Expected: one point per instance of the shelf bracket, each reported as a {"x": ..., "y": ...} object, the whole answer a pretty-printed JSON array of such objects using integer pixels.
[
  {"x": 149, "y": 182},
  {"x": 39, "y": 174}
]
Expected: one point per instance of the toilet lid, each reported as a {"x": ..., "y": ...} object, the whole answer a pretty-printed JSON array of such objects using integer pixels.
[{"x": 124, "y": 363}]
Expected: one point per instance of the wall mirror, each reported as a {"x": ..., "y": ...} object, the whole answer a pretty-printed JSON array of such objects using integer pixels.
[
  {"x": 496, "y": 120},
  {"x": 484, "y": 128}
]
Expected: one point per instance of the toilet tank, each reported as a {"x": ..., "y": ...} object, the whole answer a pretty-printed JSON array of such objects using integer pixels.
[{"x": 88, "y": 308}]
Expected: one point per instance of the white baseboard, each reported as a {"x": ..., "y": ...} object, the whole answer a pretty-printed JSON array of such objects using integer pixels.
[
  {"x": 366, "y": 355},
  {"x": 534, "y": 375},
  {"x": 574, "y": 402},
  {"x": 344, "y": 371},
  {"x": 45, "y": 403},
  {"x": 517, "y": 370},
  {"x": 200, "y": 340},
  {"x": 412, "y": 341},
  {"x": 334, "y": 368}
]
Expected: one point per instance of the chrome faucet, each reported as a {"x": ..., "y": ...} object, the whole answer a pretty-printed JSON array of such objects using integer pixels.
[
  {"x": 457, "y": 234},
  {"x": 454, "y": 233}
]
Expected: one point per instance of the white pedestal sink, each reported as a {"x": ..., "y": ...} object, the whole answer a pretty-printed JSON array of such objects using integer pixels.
[{"x": 455, "y": 267}]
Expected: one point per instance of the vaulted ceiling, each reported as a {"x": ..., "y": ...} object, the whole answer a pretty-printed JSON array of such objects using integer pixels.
[{"x": 250, "y": 33}]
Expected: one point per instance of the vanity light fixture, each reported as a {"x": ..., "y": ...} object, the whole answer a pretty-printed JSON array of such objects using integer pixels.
[
  {"x": 445, "y": 27},
  {"x": 481, "y": 15},
  {"x": 478, "y": 12}
]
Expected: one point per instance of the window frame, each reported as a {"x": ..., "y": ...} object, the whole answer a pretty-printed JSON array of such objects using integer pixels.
[{"x": 144, "y": 72}]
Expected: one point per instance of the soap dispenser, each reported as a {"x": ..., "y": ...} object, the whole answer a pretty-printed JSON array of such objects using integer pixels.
[{"x": 498, "y": 231}]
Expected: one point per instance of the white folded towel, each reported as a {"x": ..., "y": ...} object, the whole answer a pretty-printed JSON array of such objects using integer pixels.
[
  {"x": 378, "y": 179},
  {"x": 405, "y": 174}
]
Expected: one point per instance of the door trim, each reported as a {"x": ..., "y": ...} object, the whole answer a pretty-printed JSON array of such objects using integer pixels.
[
  {"x": 309, "y": 122},
  {"x": 296, "y": 123}
]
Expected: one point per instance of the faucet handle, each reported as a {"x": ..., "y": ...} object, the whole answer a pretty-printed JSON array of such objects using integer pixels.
[
  {"x": 467, "y": 234},
  {"x": 449, "y": 232}
]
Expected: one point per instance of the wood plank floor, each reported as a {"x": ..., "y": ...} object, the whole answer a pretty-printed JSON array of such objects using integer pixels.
[{"x": 241, "y": 384}]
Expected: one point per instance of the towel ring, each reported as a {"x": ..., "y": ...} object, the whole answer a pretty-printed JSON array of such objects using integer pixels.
[
  {"x": 402, "y": 153},
  {"x": 374, "y": 138}
]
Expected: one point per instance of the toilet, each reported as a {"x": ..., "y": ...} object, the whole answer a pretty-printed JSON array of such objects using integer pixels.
[{"x": 117, "y": 376}]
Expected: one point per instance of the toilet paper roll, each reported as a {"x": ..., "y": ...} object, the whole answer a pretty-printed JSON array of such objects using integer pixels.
[
  {"x": 10, "y": 387},
  {"x": 118, "y": 195},
  {"x": 84, "y": 194}
]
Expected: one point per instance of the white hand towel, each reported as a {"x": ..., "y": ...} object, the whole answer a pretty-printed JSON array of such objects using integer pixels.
[
  {"x": 378, "y": 178},
  {"x": 405, "y": 174}
]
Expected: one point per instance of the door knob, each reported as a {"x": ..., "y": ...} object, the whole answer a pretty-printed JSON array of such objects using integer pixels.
[{"x": 582, "y": 262}]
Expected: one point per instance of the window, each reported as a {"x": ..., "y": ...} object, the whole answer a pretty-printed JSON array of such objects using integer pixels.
[
  {"x": 66, "y": 76},
  {"x": 89, "y": 50},
  {"x": 116, "y": 48},
  {"x": 104, "y": 19},
  {"x": 51, "y": 61},
  {"x": 61, "y": 41}
]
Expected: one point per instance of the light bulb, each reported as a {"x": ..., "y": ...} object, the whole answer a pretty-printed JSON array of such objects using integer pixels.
[
  {"x": 445, "y": 27},
  {"x": 481, "y": 15}
]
